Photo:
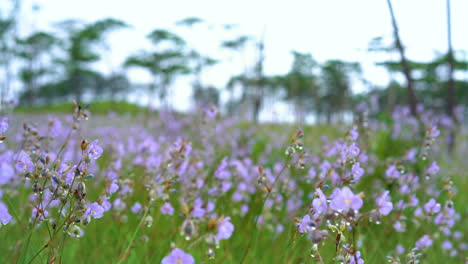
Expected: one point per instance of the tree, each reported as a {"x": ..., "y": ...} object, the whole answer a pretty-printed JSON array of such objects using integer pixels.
[
  {"x": 404, "y": 62},
  {"x": 301, "y": 84},
  {"x": 203, "y": 95},
  {"x": 30, "y": 50},
  {"x": 8, "y": 26},
  {"x": 79, "y": 54},
  {"x": 237, "y": 45},
  {"x": 336, "y": 86},
  {"x": 164, "y": 64}
]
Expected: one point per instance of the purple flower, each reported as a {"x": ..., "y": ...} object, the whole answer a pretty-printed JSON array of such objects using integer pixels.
[
  {"x": 424, "y": 242},
  {"x": 222, "y": 171},
  {"x": 392, "y": 172},
  {"x": 136, "y": 207},
  {"x": 447, "y": 245},
  {"x": 6, "y": 173},
  {"x": 306, "y": 224},
  {"x": 357, "y": 257},
  {"x": 345, "y": 199},
  {"x": 113, "y": 187},
  {"x": 94, "y": 150},
  {"x": 210, "y": 112},
  {"x": 399, "y": 227},
  {"x": 198, "y": 210},
  {"x": 24, "y": 162},
  {"x": 353, "y": 150},
  {"x": 357, "y": 171},
  {"x": 414, "y": 201},
  {"x": 320, "y": 203},
  {"x": 4, "y": 125},
  {"x": 399, "y": 249},
  {"x": 354, "y": 134},
  {"x": 433, "y": 168},
  {"x": 94, "y": 210},
  {"x": 384, "y": 205},
  {"x": 225, "y": 229},
  {"x": 177, "y": 256},
  {"x": 312, "y": 173},
  {"x": 434, "y": 132},
  {"x": 56, "y": 127},
  {"x": 39, "y": 214},
  {"x": 432, "y": 206},
  {"x": 5, "y": 217},
  {"x": 167, "y": 209}
]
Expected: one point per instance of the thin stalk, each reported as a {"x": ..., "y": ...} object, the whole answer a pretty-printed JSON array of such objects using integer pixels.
[
  {"x": 255, "y": 235},
  {"x": 122, "y": 259}
]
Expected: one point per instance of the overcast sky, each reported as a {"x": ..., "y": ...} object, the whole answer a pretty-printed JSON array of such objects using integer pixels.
[{"x": 328, "y": 29}]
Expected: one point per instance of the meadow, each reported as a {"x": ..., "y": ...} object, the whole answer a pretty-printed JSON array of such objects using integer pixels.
[{"x": 84, "y": 185}]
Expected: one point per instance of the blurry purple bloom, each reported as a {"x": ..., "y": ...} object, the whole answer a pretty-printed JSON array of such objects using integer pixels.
[
  {"x": 346, "y": 199},
  {"x": 401, "y": 205},
  {"x": 94, "y": 150},
  {"x": 424, "y": 242},
  {"x": 136, "y": 207},
  {"x": 24, "y": 162},
  {"x": 39, "y": 214},
  {"x": 432, "y": 206},
  {"x": 352, "y": 260},
  {"x": 306, "y": 224},
  {"x": 320, "y": 203},
  {"x": 4, "y": 125},
  {"x": 418, "y": 211},
  {"x": 210, "y": 112},
  {"x": 237, "y": 196},
  {"x": 244, "y": 209},
  {"x": 106, "y": 205},
  {"x": 56, "y": 128},
  {"x": 353, "y": 133},
  {"x": 411, "y": 154},
  {"x": 384, "y": 205},
  {"x": 222, "y": 172},
  {"x": 457, "y": 235},
  {"x": 113, "y": 187},
  {"x": 312, "y": 173},
  {"x": 119, "y": 205},
  {"x": 225, "y": 186},
  {"x": 210, "y": 206},
  {"x": 433, "y": 168},
  {"x": 363, "y": 157},
  {"x": 167, "y": 209},
  {"x": 94, "y": 210},
  {"x": 5, "y": 217},
  {"x": 357, "y": 171},
  {"x": 225, "y": 229},
  {"x": 414, "y": 201},
  {"x": 353, "y": 150},
  {"x": 279, "y": 228},
  {"x": 177, "y": 256},
  {"x": 399, "y": 249},
  {"x": 392, "y": 172},
  {"x": 6, "y": 173},
  {"x": 447, "y": 245},
  {"x": 399, "y": 227},
  {"x": 434, "y": 132}
]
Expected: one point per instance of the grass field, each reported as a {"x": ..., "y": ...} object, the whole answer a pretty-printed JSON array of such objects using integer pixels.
[{"x": 159, "y": 158}]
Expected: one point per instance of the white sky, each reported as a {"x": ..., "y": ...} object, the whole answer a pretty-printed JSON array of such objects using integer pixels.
[{"x": 327, "y": 29}]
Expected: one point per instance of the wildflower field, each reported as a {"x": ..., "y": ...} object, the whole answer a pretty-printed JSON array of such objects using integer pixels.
[{"x": 80, "y": 187}]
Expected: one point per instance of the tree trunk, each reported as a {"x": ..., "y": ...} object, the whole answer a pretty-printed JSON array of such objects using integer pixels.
[
  {"x": 258, "y": 92},
  {"x": 451, "y": 101},
  {"x": 404, "y": 63}
]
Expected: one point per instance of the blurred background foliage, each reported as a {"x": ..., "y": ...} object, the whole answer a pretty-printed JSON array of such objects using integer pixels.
[{"x": 50, "y": 68}]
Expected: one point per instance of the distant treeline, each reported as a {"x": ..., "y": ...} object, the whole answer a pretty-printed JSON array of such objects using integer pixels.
[{"x": 56, "y": 66}]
